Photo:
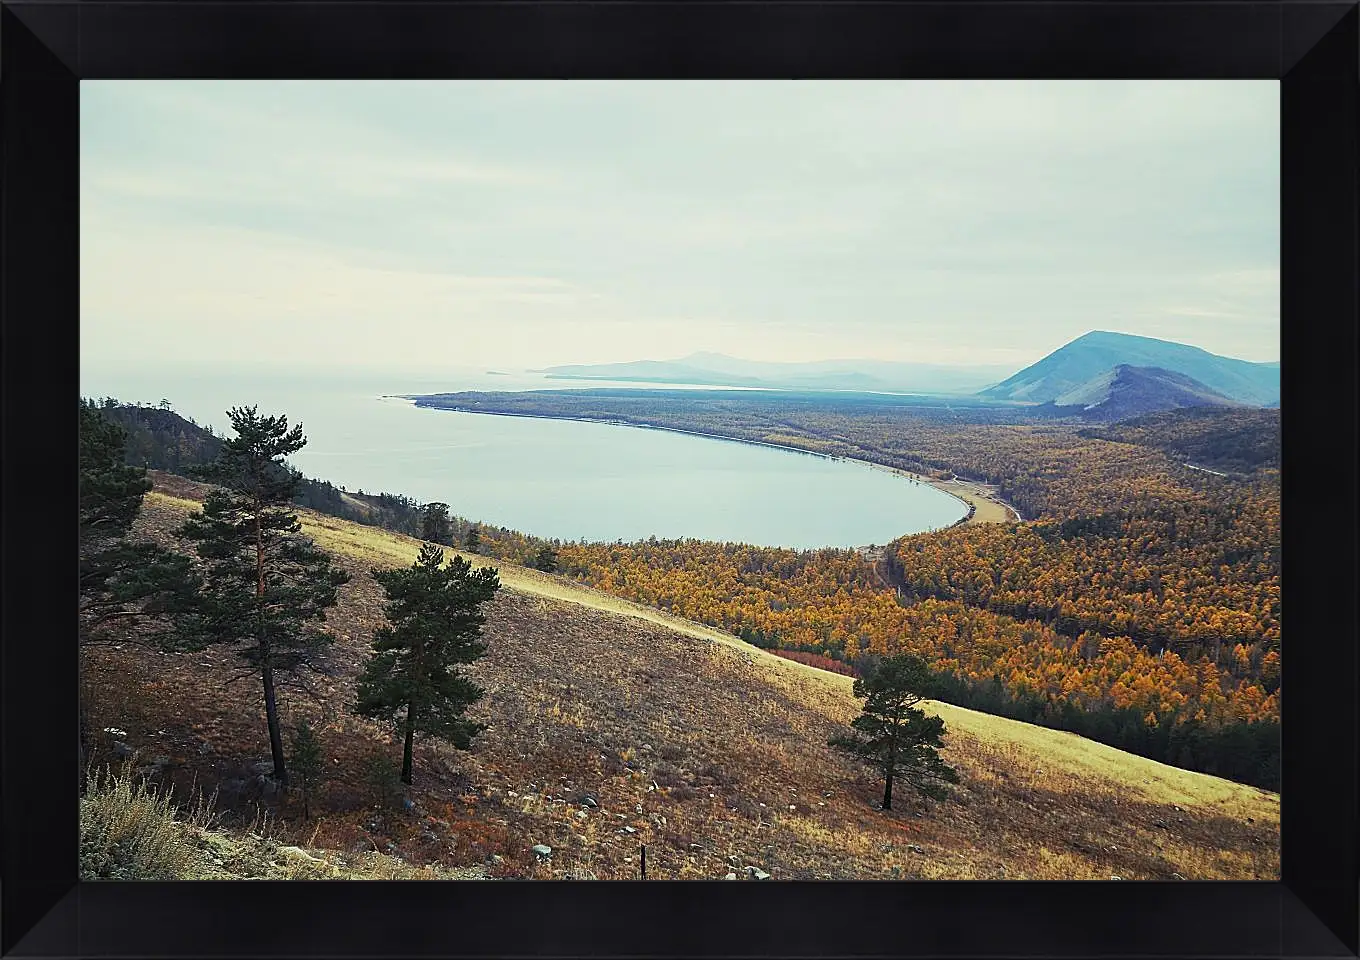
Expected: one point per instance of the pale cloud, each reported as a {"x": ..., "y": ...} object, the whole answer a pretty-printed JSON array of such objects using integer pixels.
[{"x": 529, "y": 223}]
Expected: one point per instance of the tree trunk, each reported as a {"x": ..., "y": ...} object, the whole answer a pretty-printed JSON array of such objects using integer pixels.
[
  {"x": 410, "y": 738},
  {"x": 891, "y": 766},
  {"x": 271, "y": 708},
  {"x": 271, "y": 712}
]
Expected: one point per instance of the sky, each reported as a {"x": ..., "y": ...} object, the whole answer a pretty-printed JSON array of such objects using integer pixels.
[{"x": 403, "y": 225}]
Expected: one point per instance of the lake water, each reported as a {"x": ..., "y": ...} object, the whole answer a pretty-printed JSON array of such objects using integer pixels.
[{"x": 553, "y": 478}]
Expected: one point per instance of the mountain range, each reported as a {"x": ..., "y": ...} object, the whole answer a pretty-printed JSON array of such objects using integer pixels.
[
  {"x": 1072, "y": 366},
  {"x": 1103, "y": 375},
  {"x": 1127, "y": 391},
  {"x": 716, "y": 369}
]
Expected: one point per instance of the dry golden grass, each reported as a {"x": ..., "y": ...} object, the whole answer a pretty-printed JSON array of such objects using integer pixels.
[
  {"x": 704, "y": 748},
  {"x": 131, "y": 831}
]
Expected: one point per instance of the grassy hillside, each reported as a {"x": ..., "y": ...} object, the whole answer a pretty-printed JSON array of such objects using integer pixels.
[{"x": 707, "y": 750}]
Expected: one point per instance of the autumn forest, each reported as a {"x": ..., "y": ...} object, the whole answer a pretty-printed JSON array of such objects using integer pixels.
[{"x": 1139, "y": 604}]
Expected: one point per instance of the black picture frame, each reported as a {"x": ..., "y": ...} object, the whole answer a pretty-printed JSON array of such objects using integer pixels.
[{"x": 47, "y": 47}]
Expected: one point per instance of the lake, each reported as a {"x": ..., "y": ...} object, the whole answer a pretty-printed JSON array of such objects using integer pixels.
[{"x": 562, "y": 479}]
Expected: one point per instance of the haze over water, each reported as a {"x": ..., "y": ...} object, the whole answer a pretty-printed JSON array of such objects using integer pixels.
[{"x": 553, "y": 478}]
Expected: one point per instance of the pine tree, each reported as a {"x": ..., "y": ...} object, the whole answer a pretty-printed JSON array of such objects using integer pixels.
[
  {"x": 435, "y": 525},
  {"x": 266, "y": 588},
  {"x": 309, "y": 763},
  {"x": 545, "y": 559},
  {"x": 435, "y": 616},
  {"x": 472, "y": 540},
  {"x": 894, "y": 737},
  {"x": 124, "y": 582}
]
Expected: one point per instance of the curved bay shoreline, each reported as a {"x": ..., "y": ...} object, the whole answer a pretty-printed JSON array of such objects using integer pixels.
[{"x": 983, "y": 505}]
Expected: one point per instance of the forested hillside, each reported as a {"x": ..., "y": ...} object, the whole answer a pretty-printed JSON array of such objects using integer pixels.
[
  {"x": 1241, "y": 441},
  {"x": 160, "y": 439},
  {"x": 1140, "y": 608}
]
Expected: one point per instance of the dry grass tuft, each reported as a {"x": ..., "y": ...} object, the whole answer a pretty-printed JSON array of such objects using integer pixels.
[{"x": 131, "y": 831}]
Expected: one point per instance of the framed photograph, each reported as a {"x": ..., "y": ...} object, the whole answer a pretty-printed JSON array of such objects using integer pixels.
[{"x": 849, "y": 450}]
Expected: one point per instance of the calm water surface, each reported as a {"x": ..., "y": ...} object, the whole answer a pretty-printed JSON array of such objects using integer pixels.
[{"x": 553, "y": 478}]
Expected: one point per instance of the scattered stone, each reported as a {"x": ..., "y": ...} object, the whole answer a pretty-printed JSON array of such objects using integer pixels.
[
  {"x": 827, "y": 794},
  {"x": 630, "y": 829},
  {"x": 1161, "y": 824},
  {"x": 121, "y": 750},
  {"x": 542, "y": 851},
  {"x": 1177, "y": 876},
  {"x": 588, "y": 800},
  {"x": 755, "y": 873},
  {"x": 734, "y": 860},
  {"x": 646, "y": 748},
  {"x": 1116, "y": 878},
  {"x": 582, "y": 815},
  {"x": 886, "y": 848},
  {"x": 497, "y": 858},
  {"x": 115, "y": 732},
  {"x": 915, "y": 848},
  {"x": 730, "y": 876},
  {"x": 792, "y": 807},
  {"x": 297, "y": 853}
]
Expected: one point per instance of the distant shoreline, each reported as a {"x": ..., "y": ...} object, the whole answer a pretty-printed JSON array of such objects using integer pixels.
[{"x": 967, "y": 492}]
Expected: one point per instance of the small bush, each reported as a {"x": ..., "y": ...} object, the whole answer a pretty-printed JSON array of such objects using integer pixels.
[
  {"x": 382, "y": 774},
  {"x": 667, "y": 775},
  {"x": 128, "y": 831}
]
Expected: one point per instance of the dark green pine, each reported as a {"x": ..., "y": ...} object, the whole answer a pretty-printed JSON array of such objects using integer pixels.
[
  {"x": 266, "y": 587},
  {"x": 123, "y": 582},
  {"x": 892, "y": 735},
  {"x": 435, "y": 622}
]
